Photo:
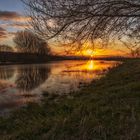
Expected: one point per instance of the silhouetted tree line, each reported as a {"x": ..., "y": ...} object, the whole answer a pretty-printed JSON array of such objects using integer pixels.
[
  {"x": 29, "y": 48},
  {"x": 6, "y": 48}
]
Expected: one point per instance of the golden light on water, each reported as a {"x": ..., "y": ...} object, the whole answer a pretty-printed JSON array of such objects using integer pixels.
[
  {"x": 93, "y": 65},
  {"x": 90, "y": 65}
]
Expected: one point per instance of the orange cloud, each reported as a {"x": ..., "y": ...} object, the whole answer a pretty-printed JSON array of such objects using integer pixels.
[
  {"x": 12, "y": 16},
  {"x": 3, "y": 33},
  {"x": 11, "y": 21},
  {"x": 7, "y": 15},
  {"x": 19, "y": 25}
]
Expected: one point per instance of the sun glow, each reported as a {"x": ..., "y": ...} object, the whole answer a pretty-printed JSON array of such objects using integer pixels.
[
  {"x": 90, "y": 65},
  {"x": 88, "y": 52},
  {"x": 91, "y": 53}
]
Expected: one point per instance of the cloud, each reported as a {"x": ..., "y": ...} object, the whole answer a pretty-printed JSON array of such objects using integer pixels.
[
  {"x": 19, "y": 25},
  {"x": 3, "y": 33},
  {"x": 2, "y": 29},
  {"x": 15, "y": 25},
  {"x": 7, "y": 15},
  {"x": 10, "y": 23},
  {"x": 12, "y": 16}
]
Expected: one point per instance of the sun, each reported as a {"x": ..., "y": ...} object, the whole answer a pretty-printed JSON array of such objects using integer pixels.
[{"x": 88, "y": 52}]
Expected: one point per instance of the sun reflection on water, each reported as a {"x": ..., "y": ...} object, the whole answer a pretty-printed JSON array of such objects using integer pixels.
[
  {"x": 22, "y": 84},
  {"x": 90, "y": 65}
]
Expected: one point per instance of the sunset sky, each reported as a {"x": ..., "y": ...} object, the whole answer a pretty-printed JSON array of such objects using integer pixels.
[{"x": 13, "y": 19}]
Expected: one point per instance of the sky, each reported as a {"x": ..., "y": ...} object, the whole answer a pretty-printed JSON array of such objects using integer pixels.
[
  {"x": 12, "y": 5},
  {"x": 13, "y": 19}
]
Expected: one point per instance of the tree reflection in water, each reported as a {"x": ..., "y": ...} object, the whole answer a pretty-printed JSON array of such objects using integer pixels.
[
  {"x": 30, "y": 82},
  {"x": 6, "y": 73},
  {"x": 31, "y": 77}
]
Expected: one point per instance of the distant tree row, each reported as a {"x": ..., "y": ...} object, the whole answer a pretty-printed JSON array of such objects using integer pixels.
[
  {"x": 6, "y": 48},
  {"x": 28, "y": 42}
]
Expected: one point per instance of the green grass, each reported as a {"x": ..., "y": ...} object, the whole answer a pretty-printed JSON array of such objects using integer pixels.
[{"x": 108, "y": 109}]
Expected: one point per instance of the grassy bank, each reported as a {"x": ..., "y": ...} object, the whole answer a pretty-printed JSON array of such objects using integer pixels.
[{"x": 108, "y": 109}]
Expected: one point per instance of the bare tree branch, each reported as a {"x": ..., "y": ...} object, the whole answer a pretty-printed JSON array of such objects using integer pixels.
[{"x": 80, "y": 20}]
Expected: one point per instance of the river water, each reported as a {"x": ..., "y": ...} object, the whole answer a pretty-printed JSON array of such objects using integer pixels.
[{"x": 21, "y": 84}]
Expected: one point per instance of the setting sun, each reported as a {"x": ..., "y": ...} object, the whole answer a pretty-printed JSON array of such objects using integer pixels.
[
  {"x": 91, "y": 53},
  {"x": 88, "y": 52}
]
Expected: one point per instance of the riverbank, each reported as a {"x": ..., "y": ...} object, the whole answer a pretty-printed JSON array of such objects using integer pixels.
[{"x": 107, "y": 109}]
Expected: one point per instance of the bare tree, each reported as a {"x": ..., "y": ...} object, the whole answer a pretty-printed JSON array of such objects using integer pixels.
[
  {"x": 132, "y": 45},
  {"x": 76, "y": 21},
  {"x": 132, "y": 41},
  {"x": 27, "y": 42}
]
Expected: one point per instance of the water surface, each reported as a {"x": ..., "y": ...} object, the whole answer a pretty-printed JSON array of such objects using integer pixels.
[{"x": 21, "y": 84}]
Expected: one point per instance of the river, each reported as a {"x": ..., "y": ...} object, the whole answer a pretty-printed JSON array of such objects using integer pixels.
[{"x": 21, "y": 84}]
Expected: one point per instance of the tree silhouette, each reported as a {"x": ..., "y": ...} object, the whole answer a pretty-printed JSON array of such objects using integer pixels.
[
  {"x": 6, "y": 73},
  {"x": 132, "y": 43},
  {"x": 27, "y": 42},
  {"x": 6, "y": 48},
  {"x": 80, "y": 20}
]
